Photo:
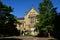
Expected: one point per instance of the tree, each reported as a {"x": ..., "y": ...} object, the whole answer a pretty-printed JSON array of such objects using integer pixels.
[
  {"x": 8, "y": 21},
  {"x": 46, "y": 17}
]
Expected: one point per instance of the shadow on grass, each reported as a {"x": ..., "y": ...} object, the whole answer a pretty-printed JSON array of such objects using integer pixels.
[{"x": 10, "y": 39}]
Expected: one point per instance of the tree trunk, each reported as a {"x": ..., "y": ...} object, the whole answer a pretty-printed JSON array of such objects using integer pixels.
[{"x": 49, "y": 35}]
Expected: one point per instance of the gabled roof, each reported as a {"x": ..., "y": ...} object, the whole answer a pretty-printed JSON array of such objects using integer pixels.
[{"x": 30, "y": 9}]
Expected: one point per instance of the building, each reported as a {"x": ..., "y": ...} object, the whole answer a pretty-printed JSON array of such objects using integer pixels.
[{"x": 28, "y": 21}]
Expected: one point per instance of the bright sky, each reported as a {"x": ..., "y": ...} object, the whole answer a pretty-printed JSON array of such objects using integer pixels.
[{"x": 22, "y": 6}]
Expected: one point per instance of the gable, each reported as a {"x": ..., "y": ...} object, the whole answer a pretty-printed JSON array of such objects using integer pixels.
[{"x": 32, "y": 11}]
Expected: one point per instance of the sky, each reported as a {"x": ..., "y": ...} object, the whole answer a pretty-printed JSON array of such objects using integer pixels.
[{"x": 22, "y": 6}]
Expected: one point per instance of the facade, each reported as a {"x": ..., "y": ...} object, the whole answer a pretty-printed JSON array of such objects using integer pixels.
[{"x": 28, "y": 22}]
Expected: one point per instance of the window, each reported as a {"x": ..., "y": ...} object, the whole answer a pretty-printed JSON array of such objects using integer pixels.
[{"x": 32, "y": 19}]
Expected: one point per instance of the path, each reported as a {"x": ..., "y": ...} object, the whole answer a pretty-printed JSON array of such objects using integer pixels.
[{"x": 27, "y": 38}]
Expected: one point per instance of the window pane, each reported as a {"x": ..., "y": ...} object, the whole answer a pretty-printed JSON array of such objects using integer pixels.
[{"x": 32, "y": 20}]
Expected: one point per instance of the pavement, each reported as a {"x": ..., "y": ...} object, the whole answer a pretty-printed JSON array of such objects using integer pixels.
[{"x": 27, "y": 38}]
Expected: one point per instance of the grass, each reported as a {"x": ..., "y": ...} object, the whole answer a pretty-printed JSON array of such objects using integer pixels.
[{"x": 28, "y": 35}]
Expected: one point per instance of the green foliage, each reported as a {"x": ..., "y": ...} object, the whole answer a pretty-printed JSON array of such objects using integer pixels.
[
  {"x": 46, "y": 16},
  {"x": 8, "y": 21},
  {"x": 28, "y": 35}
]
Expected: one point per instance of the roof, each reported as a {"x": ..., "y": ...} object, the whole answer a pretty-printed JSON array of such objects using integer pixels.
[
  {"x": 20, "y": 18},
  {"x": 30, "y": 9}
]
